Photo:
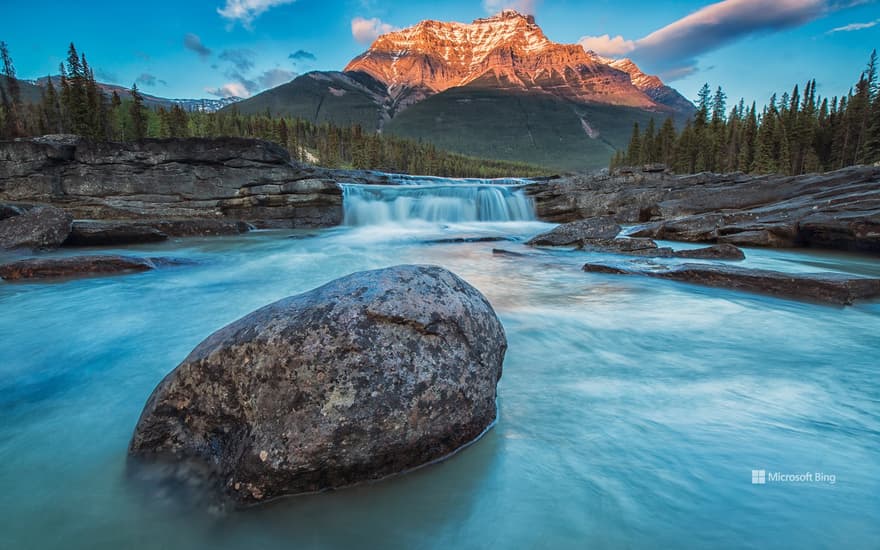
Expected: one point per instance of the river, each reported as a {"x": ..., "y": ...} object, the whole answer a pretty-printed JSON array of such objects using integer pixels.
[{"x": 632, "y": 411}]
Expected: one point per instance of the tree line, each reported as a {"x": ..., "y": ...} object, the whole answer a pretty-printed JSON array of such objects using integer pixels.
[
  {"x": 795, "y": 133},
  {"x": 78, "y": 105}
]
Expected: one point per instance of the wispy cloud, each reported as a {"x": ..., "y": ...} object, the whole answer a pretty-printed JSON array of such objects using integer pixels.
[
  {"x": 367, "y": 30},
  {"x": 241, "y": 59},
  {"x": 855, "y": 27},
  {"x": 302, "y": 55},
  {"x": 106, "y": 76},
  {"x": 275, "y": 77},
  {"x": 245, "y": 11},
  {"x": 193, "y": 43},
  {"x": 523, "y": 6},
  {"x": 147, "y": 79},
  {"x": 673, "y": 50}
]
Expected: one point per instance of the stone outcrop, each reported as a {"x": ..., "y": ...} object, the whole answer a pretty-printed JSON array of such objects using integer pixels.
[
  {"x": 78, "y": 266},
  {"x": 113, "y": 233},
  {"x": 224, "y": 179},
  {"x": 835, "y": 210},
  {"x": 37, "y": 228},
  {"x": 829, "y": 288},
  {"x": 576, "y": 232},
  {"x": 367, "y": 376}
]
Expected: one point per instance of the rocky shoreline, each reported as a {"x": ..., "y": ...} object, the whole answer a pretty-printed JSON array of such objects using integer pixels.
[{"x": 839, "y": 210}]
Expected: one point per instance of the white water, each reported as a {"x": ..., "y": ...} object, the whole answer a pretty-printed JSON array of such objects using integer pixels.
[{"x": 453, "y": 203}]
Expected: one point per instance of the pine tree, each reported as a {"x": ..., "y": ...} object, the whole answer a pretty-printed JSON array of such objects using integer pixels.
[
  {"x": 635, "y": 147},
  {"x": 138, "y": 114},
  {"x": 10, "y": 96}
]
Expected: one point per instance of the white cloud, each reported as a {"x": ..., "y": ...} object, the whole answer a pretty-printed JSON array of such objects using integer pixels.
[
  {"x": 855, "y": 27},
  {"x": 673, "y": 49},
  {"x": 367, "y": 30},
  {"x": 229, "y": 89},
  {"x": 275, "y": 77},
  {"x": 608, "y": 46},
  {"x": 245, "y": 11},
  {"x": 527, "y": 7}
]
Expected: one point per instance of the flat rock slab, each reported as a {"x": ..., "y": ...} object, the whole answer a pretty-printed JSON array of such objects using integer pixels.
[
  {"x": 829, "y": 288},
  {"x": 79, "y": 266},
  {"x": 112, "y": 233},
  {"x": 367, "y": 376},
  {"x": 575, "y": 232}
]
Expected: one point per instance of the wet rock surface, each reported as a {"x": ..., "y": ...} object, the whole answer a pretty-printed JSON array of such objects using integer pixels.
[
  {"x": 829, "y": 288},
  {"x": 839, "y": 210},
  {"x": 574, "y": 233},
  {"x": 37, "y": 228},
  {"x": 79, "y": 266},
  {"x": 93, "y": 233},
  {"x": 370, "y": 375}
]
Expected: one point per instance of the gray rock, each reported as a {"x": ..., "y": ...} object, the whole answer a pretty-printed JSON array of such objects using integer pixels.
[
  {"x": 838, "y": 210},
  {"x": 830, "y": 288},
  {"x": 573, "y": 233},
  {"x": 75, "y": 266},
  {"x": 716, "y": 252},
  {"x": 169, "y": 179},
  {"x": 367, "y": 376},
  {"x": 113, "y": 233},
  {"x": 41, "y": 227},
  {"x": 630, "y": 247}
]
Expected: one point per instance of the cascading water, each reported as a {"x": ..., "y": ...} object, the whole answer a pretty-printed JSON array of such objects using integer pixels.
[{"x": 450, "y": 202}]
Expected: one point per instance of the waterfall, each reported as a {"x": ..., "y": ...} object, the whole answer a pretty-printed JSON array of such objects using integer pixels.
[{"x": 453, "y": 201}]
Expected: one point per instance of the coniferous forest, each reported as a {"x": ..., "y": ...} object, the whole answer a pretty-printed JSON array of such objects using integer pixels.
[
  {"x": 795, "y": 133},
  {"x": 77, "y": 105}
]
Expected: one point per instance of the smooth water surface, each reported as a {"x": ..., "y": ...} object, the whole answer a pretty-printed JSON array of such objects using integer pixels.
[{"x": 632, "y": 411}]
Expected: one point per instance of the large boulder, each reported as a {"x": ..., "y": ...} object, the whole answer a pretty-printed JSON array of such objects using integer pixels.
[
  {"x": 40, "y": 227},
  {"x": 367, "y": 376}
]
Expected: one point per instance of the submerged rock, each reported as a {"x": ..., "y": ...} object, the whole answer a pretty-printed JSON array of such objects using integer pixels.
[
  {"x": 367, "y": 376},
  {"x": 40, "y": 227},
  {"x": 575, "y": 232},
  {"x": 77, "y": 266},
  {"x": 831, "y": 288}
]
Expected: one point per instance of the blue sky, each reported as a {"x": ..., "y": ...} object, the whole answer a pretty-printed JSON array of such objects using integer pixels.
[{"x": 200, "y": 48}]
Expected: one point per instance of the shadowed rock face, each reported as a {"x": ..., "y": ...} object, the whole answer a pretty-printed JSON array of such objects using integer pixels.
[
  {"x": 826, "y": 287},
  {"x": 367, "y": 376},
  {"x": 838, "y": 210},
  {"x": 41, "y": 227},
  {"x": 168, "y": 179}
]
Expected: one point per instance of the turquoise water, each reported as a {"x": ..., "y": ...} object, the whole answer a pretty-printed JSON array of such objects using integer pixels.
[{"x": 632, "y": 411}]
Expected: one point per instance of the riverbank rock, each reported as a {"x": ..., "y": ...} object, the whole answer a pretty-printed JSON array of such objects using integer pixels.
[
  {"x": 829, "y": 288},
  {"x": 40, "y": 227},
  {"x": 77, "y": 266},
  {"x": 715, "y": 252},
  {"x": 839, "y": 210},
  {"x": 220, "y": 179},
  {"x": 95, "y": 233},
  {"x": 575, "y": 232},
  {"x": 370, "y": 375}
]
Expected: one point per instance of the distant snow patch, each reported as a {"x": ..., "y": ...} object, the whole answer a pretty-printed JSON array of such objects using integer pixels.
[
  {"x": 336, "y": 91},
  {"x": 589, "y": 130}
]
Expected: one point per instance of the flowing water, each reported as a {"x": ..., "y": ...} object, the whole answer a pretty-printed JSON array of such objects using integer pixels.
[{"x": 631, "y": 411}]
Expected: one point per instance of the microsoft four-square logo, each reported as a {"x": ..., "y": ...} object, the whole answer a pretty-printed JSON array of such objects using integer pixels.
[{"x": 759, "y": 477}]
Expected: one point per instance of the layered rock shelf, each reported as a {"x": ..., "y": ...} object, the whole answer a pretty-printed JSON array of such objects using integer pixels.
[
  {"x": 838, "y": 210},
  {"x": 219, "y": 180}
]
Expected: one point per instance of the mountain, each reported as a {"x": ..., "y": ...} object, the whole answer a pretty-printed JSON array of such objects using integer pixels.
[
  {"x": 496, "y": 87},
  {"x": 32, "y": 92}
]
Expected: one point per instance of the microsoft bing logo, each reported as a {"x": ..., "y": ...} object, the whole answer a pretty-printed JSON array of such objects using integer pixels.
[{"x": 759, "y": 477}]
